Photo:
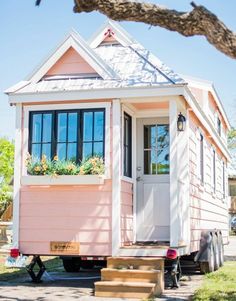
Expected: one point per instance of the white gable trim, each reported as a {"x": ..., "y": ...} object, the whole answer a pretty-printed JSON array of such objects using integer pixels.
[
  {"x": 208, "y": 86},
  {"x": 120, "y": 35},
  {"x": 76, "y": 42}
]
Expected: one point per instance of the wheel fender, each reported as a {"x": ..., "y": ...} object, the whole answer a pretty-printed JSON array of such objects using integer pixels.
[{"x": 205, "y": 243}]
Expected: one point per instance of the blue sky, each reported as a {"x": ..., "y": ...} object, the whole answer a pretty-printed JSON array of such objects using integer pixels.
[{"x": 29, "y": 33}]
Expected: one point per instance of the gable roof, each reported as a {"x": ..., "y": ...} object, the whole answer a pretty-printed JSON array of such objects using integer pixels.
[
  {"x": 74, "y": 40},
  {"x": 123, "y": 65},
  {"x": 122, "y": 36},
  {"x": 208, "y": 86}
]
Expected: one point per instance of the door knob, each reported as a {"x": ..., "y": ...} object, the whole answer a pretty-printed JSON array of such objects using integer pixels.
[{"x": 139, "y": 179}]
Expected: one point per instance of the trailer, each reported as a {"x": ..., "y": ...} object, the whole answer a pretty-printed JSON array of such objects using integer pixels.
[{"x": 161, "y": 192}]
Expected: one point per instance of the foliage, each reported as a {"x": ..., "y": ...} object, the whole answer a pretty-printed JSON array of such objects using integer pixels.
[
  {"x": 232, "y": 138},
  {"x": 6, "y": 160},
  {"x": 91, "y": 166},
  {"x": 219, "y": 286},
  {"x": 6, "y": 172},
  {"x": 5, "y": 197}
]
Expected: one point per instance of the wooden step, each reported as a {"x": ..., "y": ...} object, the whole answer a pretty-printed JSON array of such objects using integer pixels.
[
  {"x": 155, "y": 276},
  {"x": 130, "y": 275},
  {"x": 137, "y": 263},
  {"x": 118, "y": 289}
]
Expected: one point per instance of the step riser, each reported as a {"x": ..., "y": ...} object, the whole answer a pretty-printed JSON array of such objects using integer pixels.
[
  {"x": 137, "y": 264},
  {"x": 129, "y": 277},
  {"x": 123, "y": 292},
  {"x": 132, "y": 295}
]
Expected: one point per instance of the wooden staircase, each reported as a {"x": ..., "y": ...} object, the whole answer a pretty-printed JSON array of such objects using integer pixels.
[{"x": 131, "y": 277}]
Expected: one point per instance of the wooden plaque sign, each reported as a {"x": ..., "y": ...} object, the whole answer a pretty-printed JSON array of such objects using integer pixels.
[{"x": 65, "y": 247}]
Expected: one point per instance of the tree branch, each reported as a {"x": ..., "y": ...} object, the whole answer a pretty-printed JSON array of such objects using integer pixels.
[{"x": 199, "y": 21}]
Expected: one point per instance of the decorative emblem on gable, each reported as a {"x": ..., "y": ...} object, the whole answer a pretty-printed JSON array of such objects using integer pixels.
[{"x": 109, "y": 33}]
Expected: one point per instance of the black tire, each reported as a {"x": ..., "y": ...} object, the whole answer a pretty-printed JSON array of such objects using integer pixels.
[
  {"x": 221, "y": 251},
  {"x": 71, "y": 265},
  {"x": 208, "y": 266}
]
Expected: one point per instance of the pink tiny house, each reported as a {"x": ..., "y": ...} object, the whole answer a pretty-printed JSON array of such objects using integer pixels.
[{"x": 164, "y": 186}]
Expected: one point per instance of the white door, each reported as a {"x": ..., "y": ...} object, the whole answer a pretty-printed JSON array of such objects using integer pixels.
[{"x": 153, "y": 182}]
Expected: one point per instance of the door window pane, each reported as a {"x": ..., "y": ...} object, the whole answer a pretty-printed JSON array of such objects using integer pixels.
[
  {"x": 156, "y": 149},
  {"x": 163, "y": 165},
  {"x": 61, "y": 127},
  {"x": 88, "y": 126},
  {"x": 37, "y": 128}
]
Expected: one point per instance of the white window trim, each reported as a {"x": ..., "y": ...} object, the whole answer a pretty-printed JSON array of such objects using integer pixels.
[
  {"x": 17, "y": 176},
  {"x": 105, "y": 105},
  {"x": 131, "y": 180}
]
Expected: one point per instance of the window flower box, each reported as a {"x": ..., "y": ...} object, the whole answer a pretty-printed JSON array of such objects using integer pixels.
[
  {"x": 48, "y": 180},
  {"x": 46, "y": 172}
]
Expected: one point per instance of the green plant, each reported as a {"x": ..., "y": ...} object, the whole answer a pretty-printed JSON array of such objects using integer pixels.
[
  {"x": 5, "y": 197},
  {"x": 91, "y": 166},
  {"x": 6, "y": 160}
]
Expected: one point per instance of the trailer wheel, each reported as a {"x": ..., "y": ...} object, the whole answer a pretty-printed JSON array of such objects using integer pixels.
[
  {"x": 221, "y": 251},
  {"x": 208, "y": 266},
  {"x": 71, "y": 265}
]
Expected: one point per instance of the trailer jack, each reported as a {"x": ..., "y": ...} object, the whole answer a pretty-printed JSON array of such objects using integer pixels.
[
  {"x": 36, "y": 277},
  {"x": 175, "y": 272}
]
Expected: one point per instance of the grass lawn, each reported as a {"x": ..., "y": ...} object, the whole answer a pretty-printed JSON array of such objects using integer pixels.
[
  {"x": 220, "y": 285},
  {"x": 6, "y": 274}
]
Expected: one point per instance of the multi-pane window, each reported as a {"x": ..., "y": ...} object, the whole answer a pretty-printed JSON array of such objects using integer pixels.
[
  {"x": 93, "y": 133},
  {"x": 156, "y": 149},
  {"x": 67, "y": 135},
  {"x": 41, "y": 134},
  {"x": 71, "y": 135},
  {"x": 127, "y": 144},
  {"x": 201, "y": 158}
]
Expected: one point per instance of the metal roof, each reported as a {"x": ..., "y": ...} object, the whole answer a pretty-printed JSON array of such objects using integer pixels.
[{"x": 132, "y": 66}]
